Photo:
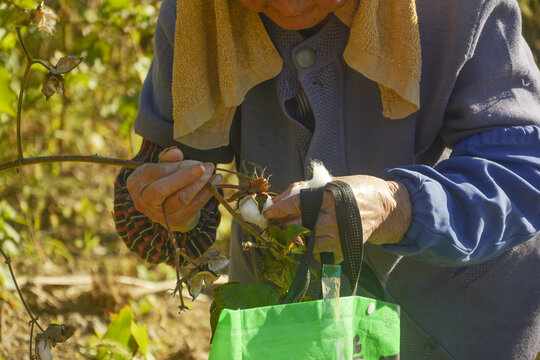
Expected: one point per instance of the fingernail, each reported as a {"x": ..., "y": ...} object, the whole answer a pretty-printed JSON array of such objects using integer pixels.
[
  {"x": 216, "y": 179},
  {"x": 209, "y": 167},
  {"x": 165, "y": 151},
  {"x": 168, "y": 149}
]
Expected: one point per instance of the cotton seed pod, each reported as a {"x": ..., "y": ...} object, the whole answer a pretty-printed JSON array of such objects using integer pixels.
[
  {"x": 251, "y": 211},
  {"x": 52, "y": 84},
  {"x": 44, "y": 19}
]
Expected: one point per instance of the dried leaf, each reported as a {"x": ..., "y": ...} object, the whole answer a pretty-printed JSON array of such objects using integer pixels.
[
  {"x": 55, "y": 333},
  {"x": 44, "y": 19},
  {"x": 195, "y": 283},
  {"x": 52, "y": 84},
  {"x": 216, "y": 261},
  {"x": 66, "y": 64}
]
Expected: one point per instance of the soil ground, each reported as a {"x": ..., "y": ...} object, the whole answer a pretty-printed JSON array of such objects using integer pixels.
[{"x": 87, "y": 301}]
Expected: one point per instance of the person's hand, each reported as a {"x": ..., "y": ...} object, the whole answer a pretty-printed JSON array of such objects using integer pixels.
[
  {"x": 178, "y": 183},
  {"x": 385, "y": 209}
]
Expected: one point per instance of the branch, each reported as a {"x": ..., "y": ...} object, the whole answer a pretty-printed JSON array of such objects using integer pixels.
[
  {"x": 237, "y": 217},
  {"x": 234, "y": 172},
  {"x": 71, "y": 158},
  {"x": 34, "y": 319},
  {"x": 172, "y": 238},
  {"x": 29, "y": 63}
]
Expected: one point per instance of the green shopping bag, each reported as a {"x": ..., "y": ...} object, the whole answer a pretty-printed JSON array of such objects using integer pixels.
[
  {"x": 366, "y": 329},
  {"x": 347, "y": 327}
]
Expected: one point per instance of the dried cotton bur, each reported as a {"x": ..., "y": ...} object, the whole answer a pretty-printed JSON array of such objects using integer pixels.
[
  {"x": 54, "y": 81},
  {"x": 44, "y": 19},
  {"x": 48, "y": 339},
  {"x": 205, "y": 271}
]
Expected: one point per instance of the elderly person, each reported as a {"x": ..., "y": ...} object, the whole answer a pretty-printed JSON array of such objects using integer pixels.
[{"x": 376, "y": 90}]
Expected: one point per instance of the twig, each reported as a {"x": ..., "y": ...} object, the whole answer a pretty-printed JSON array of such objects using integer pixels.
[
  {"x": 27, "y": 53},
  {"x": 234, "y": 172},
  {"x": 71, "y": 158},
  {"x": 8, "y": 262},
  {"x": 172, "y": 238},
  {"x": 230, "y": 186},
  {"x": 21, "y": 95},
  {"x": 31, "y": 337}
]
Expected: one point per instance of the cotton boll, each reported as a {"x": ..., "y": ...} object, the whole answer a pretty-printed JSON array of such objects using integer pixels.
[
  {"x": 43, "y": 350},
  {"x": 321, "y": 177},
  {"x": 250, "y": 211}
]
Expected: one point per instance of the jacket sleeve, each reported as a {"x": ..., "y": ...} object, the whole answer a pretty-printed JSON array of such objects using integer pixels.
[
  {"x": 485, "y": 198},
  {"x": 151, "y": 240}
]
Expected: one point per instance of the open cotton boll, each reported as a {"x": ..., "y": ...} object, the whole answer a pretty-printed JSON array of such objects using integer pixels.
[
  {"x": 43, "y": 350},
  {"x": 250, "y": 211},
  {"x": 321, "y": 177}
]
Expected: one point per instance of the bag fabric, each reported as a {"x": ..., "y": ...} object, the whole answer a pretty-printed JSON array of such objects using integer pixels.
[
  {"x": 351, "y": 327},
  {"x": 366, "y": 329}
]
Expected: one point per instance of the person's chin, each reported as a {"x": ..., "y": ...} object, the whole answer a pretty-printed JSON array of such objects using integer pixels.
[{"x": 295, "y": 23}]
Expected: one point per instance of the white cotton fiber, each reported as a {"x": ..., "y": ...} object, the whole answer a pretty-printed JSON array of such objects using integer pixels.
[
  {"x": 321, "y": 177},
  {"x": 250, "y": 211}
]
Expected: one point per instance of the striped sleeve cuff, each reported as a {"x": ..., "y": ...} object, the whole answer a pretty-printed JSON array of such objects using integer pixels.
[{"x": 150, "y": 240}]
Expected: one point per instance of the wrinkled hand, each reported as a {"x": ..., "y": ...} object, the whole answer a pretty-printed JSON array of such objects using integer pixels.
[
  {"x": 385, "y": 209},
  {"x": 178, "y": 183}
]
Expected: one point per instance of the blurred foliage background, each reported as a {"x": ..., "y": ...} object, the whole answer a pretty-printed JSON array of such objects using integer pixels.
[
  {"x": 61, "y": 212},
  {"x": 56, "y": 218},
  {"x": 530, "y": 11}
]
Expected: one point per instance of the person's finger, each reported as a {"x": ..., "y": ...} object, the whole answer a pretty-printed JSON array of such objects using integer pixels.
[
  {"x": 176, "y": 201},
  {"x": 284, "y": 208},
  {"x": 148, "y": 173},
  {"x": 180, "y": 217},
  {"x": 187, "y": 194},
  {"x": 171, "y": 154},
  {"x": 156, "y": 192}
]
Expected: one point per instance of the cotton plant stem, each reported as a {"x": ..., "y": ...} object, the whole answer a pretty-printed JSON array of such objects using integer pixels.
[
  {"x": 8, "y": 262},
  {"x": 31, "y": 338},
  {"x": 237, "y": 217},
  {"x": 230, "y": 186},
  {"x": 233, "y": 172},
  {"x": 19, "y": 111},
  {"x": 95, "y": 159},
  {"x": 172, "y": 238},
  {"x": 242, "y": 223}
]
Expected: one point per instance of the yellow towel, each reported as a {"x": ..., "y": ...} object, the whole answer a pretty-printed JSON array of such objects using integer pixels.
[{"x": 222, "y": 50}]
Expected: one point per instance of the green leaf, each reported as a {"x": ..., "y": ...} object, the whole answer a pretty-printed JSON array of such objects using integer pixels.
[
  {"x": 119, "y": 329},
  {"x": 141, "y": 337},
  {"x": 241, "y": 296},
  {"x": 7, "y": 96},
  {"x": 285, "y": 237},
  {"x": 115, "y": 5},
  {"x": 109, "y": 347}
]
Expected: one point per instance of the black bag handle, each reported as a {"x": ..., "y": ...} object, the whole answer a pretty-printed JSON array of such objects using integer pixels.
[{"x": 350, "y": 233}]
